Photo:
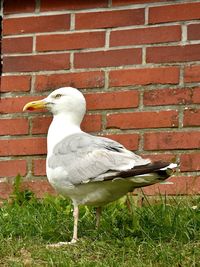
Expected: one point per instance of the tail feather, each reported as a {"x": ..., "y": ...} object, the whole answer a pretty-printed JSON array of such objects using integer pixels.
[
  {"x": 145, "y": 175},
  {"x": 144, "y": 169},
  {"x": 155, "y": 175}
]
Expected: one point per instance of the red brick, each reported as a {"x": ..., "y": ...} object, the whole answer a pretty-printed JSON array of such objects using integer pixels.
[
  {"x": 196, "y": 96},
  {"x": 70, "y": 41},
  {"x": 130, "y": 141},
  {"x": 15, "y": 104},
  {"x": 36, "y": 24},
  {"x": 91, "y": 123},
  {"x": 191, "y": 117},
  {"x": 158, "y": 156},
  {"x": 52, "y": 5},
  {"x": 168, "y": 75},
  {"x": 39, "y": 167},
  {"x": 161, "y": 97},
  {"x": 10, "y": 168},
  {"x": 190, "y": 162},
  {"x": 167, "y": 13},
  {"x": 112, "y": 100},
  {"x": 192, "y": 74},
  {"x": 108, "y": 58},
  {"x": 166, "y": 54},
  {"x": 36, "y": 63},
  {"x": 109, "y": 19},
  {"x": 18, "y": 6},
  {"x": 145, "y": 36},
  {"x": 40, "y": 125},
  {"x": 132, "y": 2},
  {"x": 171, "y": 140},
  {"x": 193, "y": 32},
  {"x": 143, "y": 120},
  {"x": 5, "y": 190},
  {"x": 39, "y": 187},
  {"x": 15, "y": 83},
  {"x": 14, "y": 126},
  {"x": 25, "y": 146},
  {"x": 182, "y": 185},
  {"x": 78, "y": 80},
  {"x": 17, "y": 45}
]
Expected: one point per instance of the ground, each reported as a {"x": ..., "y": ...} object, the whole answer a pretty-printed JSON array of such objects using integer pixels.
[{"x": 163, "y": 233}]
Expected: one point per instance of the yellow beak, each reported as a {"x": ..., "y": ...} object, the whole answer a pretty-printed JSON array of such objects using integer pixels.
[{"x": 34, "y": 105}]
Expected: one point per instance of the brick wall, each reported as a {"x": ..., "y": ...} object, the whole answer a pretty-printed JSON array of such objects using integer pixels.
[{"x": 138, "y": 63}]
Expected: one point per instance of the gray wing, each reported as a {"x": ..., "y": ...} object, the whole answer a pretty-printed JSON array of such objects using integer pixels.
[{"x": 84, "y": 158}]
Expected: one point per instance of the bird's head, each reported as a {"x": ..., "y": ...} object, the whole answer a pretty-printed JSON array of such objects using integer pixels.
[{"x": 64, "y": 100}]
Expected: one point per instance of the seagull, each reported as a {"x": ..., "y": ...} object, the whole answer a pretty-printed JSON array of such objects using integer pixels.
[{"x": 90, "y": 170}]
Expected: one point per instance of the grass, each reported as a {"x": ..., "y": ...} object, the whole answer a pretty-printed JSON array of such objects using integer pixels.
[{"x": 162, "y": 234}]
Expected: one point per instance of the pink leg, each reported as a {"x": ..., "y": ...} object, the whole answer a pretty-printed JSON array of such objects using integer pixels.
[{"x": 75, "y": 232}]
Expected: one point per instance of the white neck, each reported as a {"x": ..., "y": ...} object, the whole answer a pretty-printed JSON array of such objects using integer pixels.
[{"x": 61, "y": 126}]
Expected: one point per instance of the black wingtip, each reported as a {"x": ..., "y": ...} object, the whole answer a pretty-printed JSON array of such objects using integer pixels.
[{"x": 144, "y": 169}]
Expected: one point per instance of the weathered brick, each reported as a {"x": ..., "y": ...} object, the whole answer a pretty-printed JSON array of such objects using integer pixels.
[
  {"x": 15, "y": 83},
  {"x": 140, "y": 120},
  {"x": 40, "y": 125},
  {"x": 39, "y": 167},
  {"x": 39, "y": 187},
  {"x": 161, "y": 97},
  {"x": 51, "y": 5},
  {"x": 191, "y": 117},
  {"x": 90, "y": 50},
  {"x": 164, "y": 75},
  {"x": 17, "y": 45},
  {"x": 190, "y": 162},
  {"x": 76, "y": 79},
  {"x": 179, "y": 12},
  {"x": 192, "y": 74},
  {"x": 36, "y": 24},
  {"x": 70, "y": 41},
  {"x": 130, "y": 141},
  {"x": 91, "y": 123},
  {"x": 6, "y": 190},
  {"x": 109, "y": 19},
  {"x": 193, "y": 32},
  {"x": 145, "y": 35},
  {"x": 160, "y": 156},
  {"x": 18, "y": 6},
  {"x": 166, "y": 54},
  {"x": 36, "y": 63},
  {"x": 14, "y": 126},
  {"x": 196, "y": 96},
  {"x": 182, "y": 185},
  {"x": 23, "y": 146},
  {"x": 11, "y": 168},
  {"x": 112, "y": 100},
  {"x": 132, "y": 2},
  {"x": 171, "y": 140},
  {"x": 15, "y": 104},
  {"x": 108, "y": 58}
]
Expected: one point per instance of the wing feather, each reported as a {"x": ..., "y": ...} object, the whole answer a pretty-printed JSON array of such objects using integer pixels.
[{"x": 85, "y": 157}]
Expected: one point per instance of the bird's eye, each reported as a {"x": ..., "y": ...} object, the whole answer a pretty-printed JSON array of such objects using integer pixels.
[{"x": 58, "y": 96}]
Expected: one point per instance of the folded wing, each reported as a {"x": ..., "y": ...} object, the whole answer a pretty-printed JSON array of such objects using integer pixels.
[{"x": 85, "y": 158}]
